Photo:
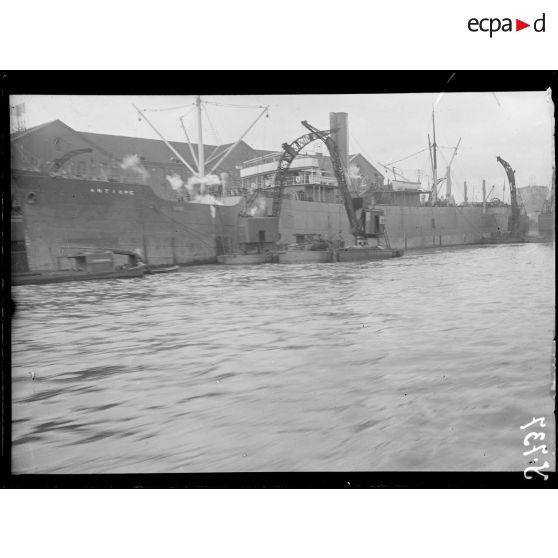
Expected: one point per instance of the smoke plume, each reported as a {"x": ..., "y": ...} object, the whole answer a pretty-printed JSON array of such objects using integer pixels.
[
  {"x": 175, "y": 181},
  {"x": 259, "y": 208},
  {"x": 354, "y": 171},
  {"x": 133, "y": 163}
]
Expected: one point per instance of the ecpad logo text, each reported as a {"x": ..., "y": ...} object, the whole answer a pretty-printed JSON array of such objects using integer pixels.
[{"x": 493, "y": 25}]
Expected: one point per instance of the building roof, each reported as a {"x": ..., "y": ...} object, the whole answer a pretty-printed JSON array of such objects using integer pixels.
[
  {"x": 155, "y": 150},
  {"x": 152, "y": 150},
  {"x": 355, "y": 155},
  {"x": 17, "y": 135}
]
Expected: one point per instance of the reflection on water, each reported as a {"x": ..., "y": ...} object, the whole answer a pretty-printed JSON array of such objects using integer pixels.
[{"x": 428, "y": 362}]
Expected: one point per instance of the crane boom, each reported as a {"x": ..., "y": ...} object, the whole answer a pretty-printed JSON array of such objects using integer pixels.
[
  {"x": 342, "y": 179},
  {"x": 513, "y": 196},
  {"x": 291, "y": 150},
  {"x": 57, "y": 164}
]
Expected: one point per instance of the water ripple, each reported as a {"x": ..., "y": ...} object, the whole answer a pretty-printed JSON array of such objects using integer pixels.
[{"x": 429, "y": 362}]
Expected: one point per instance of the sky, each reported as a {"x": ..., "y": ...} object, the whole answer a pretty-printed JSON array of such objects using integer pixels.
[{"x": 518, "y": 126}]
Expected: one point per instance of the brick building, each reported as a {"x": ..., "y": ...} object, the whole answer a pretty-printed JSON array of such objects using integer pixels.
[{"x": 117, "y": 158}]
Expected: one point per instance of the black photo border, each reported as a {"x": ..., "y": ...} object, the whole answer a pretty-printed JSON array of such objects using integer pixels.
[{"x": 233, "y": 82}]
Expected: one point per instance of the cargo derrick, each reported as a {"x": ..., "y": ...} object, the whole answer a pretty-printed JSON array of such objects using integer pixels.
[
  {"x": 369, "y": 224},
  {"x": 57, "y": 164},
  {"x": 291, "y": 150},
  {"x": 515, "y": 224},
  {"x": 342, "y": 180}
]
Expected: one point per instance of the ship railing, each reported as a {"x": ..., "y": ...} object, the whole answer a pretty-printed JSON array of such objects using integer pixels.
[
  {"x": 272, "y": 157},
  {"x": 69, "y": 251},
  {"x": 311, "y": 181}
]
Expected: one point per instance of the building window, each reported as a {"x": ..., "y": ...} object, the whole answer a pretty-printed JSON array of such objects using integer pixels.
[{"x": 81, "y": 168}]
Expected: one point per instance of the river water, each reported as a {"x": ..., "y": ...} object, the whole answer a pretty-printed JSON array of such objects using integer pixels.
[{"x": 428, "y": 362}]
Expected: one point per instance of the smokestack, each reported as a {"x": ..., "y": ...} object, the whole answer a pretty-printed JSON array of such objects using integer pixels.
[
  {"x": 465, "y": 199},
  {"x": 484, "y": 196},
  {"x": 340, "y": 120}
]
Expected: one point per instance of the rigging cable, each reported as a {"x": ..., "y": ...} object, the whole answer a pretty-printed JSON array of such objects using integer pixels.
[
  {"x": 408, "y": 157},
  {"x": 167, "y": 108},
  {"x": 213, "y": 130},
  {"x": 187, "y": 113},
  {"x": 234, "y": 106}
]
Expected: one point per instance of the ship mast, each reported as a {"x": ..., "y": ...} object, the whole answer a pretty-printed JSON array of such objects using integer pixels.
[
  {"x": 448, "y": 173},
  {"x": 184, "y": 162},
  {"x": 434, "y": 196},
  {"x": 218, "y": 156},
  {"x": 201, "y": 156}
]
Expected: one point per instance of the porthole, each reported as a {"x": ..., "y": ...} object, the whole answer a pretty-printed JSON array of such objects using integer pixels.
[{"x": 31, "y": 198}]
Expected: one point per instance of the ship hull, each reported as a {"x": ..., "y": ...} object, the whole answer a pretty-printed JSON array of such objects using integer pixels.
[
  {"x": 546, "y": 225},
  {"x": 56, "y": 213},
  {"x": 354, "y": 254},
  {"x": 241, "y": 259},
  {"x": 64, "y": 277},
  {"x": 407, "y": 227},
  {"x": 305, "y": 256}
]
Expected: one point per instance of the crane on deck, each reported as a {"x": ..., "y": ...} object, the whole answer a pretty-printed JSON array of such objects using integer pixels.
[
  {"x": 342, "y": 178},
  {"x": 357, "y": 223},
  {"x": 515, "y": 228},
  {"x": 57, "y": 164}
]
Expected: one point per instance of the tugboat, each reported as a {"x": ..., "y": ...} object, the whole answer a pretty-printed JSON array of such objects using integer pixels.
[{"x": 88, "y": 265}]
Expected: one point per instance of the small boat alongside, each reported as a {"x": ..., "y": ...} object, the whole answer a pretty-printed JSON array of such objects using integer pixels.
[
  {"x": 166, "y": 269},
  {"x": 88, "y": 265},
  {"x": 241, "y": 259},
  {"x": 365, "y": 253},
  {"x": 314, "y": 249},
  {"x": 317, "y": 250},
  {"x": 247, "y": 259},
  {"x": 296, "y": 256}
]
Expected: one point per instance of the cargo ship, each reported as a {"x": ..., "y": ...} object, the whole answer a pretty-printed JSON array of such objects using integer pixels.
[
  {"x": 99, "y": 191},
  {"x": 167, "y": 201},
  {"x": 312, "y": 206}
]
